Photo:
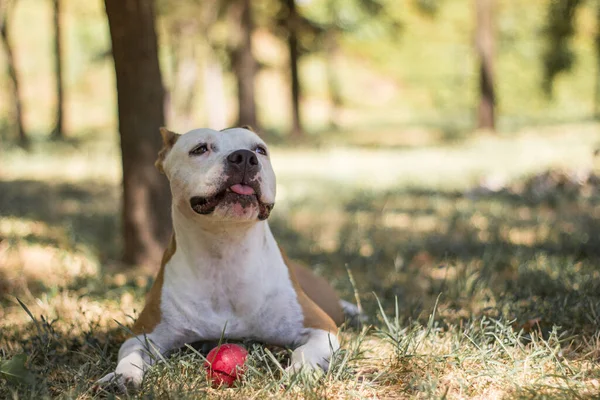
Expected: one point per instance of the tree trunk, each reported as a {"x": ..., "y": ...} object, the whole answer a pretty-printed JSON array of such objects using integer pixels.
[
  {"x": 485, "y": 50},
  {"x": 292, "y": 24},
  {"x": 597, "y": 48},
  {"x": 597, "y": 89},
  {"x": 146, "y": 197},
  {"x": 245, "y": 68},
  {"x": 58, "y": 131},
  {"x": 15, "y": 91}
]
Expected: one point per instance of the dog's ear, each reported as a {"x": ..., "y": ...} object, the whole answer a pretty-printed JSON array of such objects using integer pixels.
[
  {"x": 247, "y": 127},
  {"x": 169, "y": 138}
]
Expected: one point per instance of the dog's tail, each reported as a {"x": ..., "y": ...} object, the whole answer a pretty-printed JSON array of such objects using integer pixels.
[{"x": 353, "y": 314}]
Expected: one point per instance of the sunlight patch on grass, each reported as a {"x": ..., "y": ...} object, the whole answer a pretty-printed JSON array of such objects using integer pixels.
[
  {"x": 300, "y": 171},
  {"x": 96, "y": 160}
]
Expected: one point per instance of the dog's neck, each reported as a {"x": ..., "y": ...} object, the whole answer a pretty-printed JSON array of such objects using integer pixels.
[{"x": 220, "y": 240}]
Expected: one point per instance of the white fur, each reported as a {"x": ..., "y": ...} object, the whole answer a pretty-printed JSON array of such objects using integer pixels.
[
  {"x": 230, "y": 278},
  {"x": 202, "y": 175},
  {"x": 224, "y": 274},
  {"x": 316, "y": 351},
  {"x": 136, "y": 355}
]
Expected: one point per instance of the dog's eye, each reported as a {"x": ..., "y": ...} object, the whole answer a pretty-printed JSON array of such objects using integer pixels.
[
  {"x": 261, "y": 150},
  {"x": 198, "y": 150}
]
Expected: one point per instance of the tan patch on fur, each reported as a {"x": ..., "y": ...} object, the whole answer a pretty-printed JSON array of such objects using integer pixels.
[
  {"x": 320, "y": 291},
  {"x": 313, "y": 307},
  {"x": 151, "y": 314},
  {"x": 169, "y": 138}
]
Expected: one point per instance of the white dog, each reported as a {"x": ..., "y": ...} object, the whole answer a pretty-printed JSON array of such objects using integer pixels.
[{"x": 223, "y": 270}]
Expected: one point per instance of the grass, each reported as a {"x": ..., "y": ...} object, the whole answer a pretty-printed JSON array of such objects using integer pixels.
[{"x": 470, "y": 293}]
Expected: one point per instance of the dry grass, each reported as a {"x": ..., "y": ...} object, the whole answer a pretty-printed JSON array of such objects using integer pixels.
[{"x": 470, "y": 293}]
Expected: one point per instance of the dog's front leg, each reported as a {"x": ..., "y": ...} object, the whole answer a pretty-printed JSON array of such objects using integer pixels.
[
  {"x": 138, "y": 353},
  {"x": 315, "y": 352}
]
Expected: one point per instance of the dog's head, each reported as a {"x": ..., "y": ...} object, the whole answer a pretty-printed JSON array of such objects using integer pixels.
[{"x": 225, "y": 175}]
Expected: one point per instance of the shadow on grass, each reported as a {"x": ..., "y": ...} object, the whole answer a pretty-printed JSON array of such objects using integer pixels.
[
  {"x": 390, "y": 135},
  {"x": 83, "y": 214},
  {"x": 506, "y": 256}
]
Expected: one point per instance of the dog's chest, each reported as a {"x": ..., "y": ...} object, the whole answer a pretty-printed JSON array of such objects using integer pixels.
[{"x": 255, "y": 300}]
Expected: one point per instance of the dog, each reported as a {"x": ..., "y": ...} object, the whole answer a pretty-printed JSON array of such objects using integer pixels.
[{"x": 223, "y": 273}]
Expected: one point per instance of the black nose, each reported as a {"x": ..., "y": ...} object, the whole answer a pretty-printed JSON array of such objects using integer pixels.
[{"x": 244, "y": 159}]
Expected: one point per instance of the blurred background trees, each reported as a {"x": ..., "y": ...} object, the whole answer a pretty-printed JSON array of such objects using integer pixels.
[
  {"x": 371, "y": 72},
  {"x": 15, "y": 104}
]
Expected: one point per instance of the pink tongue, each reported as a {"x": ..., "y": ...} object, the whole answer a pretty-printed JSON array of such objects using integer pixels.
[{"x": 242, "y": 189}]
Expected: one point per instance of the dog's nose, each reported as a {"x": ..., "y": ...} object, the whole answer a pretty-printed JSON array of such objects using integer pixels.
[{"x": 244, "y": 159}]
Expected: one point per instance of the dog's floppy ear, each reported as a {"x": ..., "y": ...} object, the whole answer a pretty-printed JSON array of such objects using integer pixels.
[
  {"x": 247, "y": 127},
  {"x": 169, "y": 138}
]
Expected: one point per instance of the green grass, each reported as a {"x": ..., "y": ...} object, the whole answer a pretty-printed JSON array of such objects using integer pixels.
[{"x": 469, "y": 294}]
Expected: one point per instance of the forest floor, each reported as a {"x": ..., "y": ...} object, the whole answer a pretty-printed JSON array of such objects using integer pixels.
[{"x": 477, "y": 264}]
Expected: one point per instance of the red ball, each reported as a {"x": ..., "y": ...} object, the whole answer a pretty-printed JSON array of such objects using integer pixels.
[{"x": 225, "y": 364}]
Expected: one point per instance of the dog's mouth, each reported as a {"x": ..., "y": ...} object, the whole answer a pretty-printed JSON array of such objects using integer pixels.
[{"x": 246, "y": 195}]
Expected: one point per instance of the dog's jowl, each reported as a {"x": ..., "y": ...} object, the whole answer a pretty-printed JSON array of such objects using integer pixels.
[{"x": 223, "y": 271}]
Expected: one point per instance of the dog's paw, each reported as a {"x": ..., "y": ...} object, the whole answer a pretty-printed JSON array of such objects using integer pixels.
[
  {"x": 353, "y": 315},
  {"x": 119, "y": 382},
  {"x": 303, "y": 359},
  {"x": 109, "y": 382}
]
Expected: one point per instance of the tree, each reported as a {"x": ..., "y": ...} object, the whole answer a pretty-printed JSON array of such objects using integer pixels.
[
  {"x": 58, "y": 131},
  {"x": 292, "y": 27},
  {"x": 559, "y": 55},
  {"x": 244, "y": 64},
  {"x": 183, "y": 87},
  {"x": 485, "y": 50},
  {"x": 319, "y": 31},
  {"x": 146, "y": 221},
  {"x": 560, "y": 28},
  {"x": 183, "y": 23},
  {"x": 597, "y": 48},
  {"x": 6, "y": 8},
  {"x": 203, "y": 36},
  {"x": 333, "y": 81}
]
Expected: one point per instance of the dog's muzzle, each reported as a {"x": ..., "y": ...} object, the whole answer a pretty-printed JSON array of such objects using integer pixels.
[{"x": 242, "y": 186}]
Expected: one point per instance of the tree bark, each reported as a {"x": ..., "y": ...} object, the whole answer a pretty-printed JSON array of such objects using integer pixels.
[
  {"x": 146, "y": 197},
  {"x": 245, "y": 67},
  {"x": 292, "y": 24},
  {"x": 15, "y": 91},
  {"x": 597, "y": 49},
  {"x": 485, "y": 50},
  {"x": 58, "y": 131}
]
